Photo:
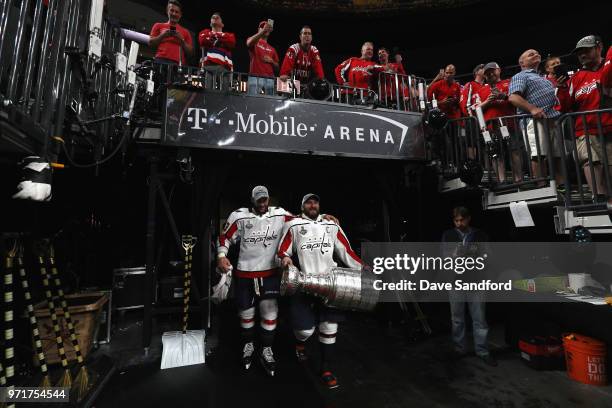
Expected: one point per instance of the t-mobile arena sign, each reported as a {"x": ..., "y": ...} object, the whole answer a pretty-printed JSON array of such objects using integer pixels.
[{"x": 260, "y": 123}]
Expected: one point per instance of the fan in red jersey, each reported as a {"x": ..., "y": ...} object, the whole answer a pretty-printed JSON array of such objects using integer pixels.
[
  {"x": 470, "y": 90},
  {"x": 387, "y": 80},
  {"x": 584, "y": 94},
  {"x": 302, "y": 60},
  {"x": 495, "y": 104}
]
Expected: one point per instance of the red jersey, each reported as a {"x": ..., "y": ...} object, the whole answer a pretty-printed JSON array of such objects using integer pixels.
[
  {"x": 606, "y": 74},
  {"x": 552, "y": 80},
  {"x": 170, "y": 46},
  {"x": 354, "y": 71},
  {"x": 304, "y": 64},
  {"x": 497, "y": 108},
  {"x": 218, "y": 48},
  {"x": 257, "y": 52},
  {"x": 470, "y": 90},
  {"x": 584, "y": 95},
  {"x": 442, "y": 90}
]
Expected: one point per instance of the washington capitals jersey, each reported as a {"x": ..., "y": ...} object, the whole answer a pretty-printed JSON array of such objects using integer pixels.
[
  {"x": 354, "y": 71},
  {"x": 218, "y": 48},
  {"x": 304, "y": 64},
  {"x": 315, "y": 242},
  {"x": 258, "y": 237},
  {"x": 585, "y": 95}
]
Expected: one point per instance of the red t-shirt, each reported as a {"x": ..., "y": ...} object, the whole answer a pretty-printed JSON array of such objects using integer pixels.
[
  {"x": 442, "y": 90},
  {"x": 465, "y": 92},
  {"x": 584, "y": 95},
  {"x": 169, "y": 47},
  {"x": 497, "y": 108},
  {"x": 257, "y": 52}
]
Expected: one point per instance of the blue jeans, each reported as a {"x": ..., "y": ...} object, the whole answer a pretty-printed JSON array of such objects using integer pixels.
[
  {"x": 261, "y": 86},
  {"x": 476, "y": 306}
]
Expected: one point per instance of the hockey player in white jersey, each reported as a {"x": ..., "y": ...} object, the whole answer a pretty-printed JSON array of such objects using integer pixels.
[
  {"x": 315, "y": 241},
  {"x": 257, "y": 231}
]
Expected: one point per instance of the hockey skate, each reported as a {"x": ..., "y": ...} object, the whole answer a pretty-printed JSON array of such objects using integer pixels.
[
  {"x": 247, "y": 355},
  {"x": 267, "y": 360},
  {"x": 300, "y": 352}
]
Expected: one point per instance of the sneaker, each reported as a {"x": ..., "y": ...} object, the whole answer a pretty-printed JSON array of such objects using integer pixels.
[
  {"x": 329, "y": 380},
  {"x": 247, "y": 355},
  {"x": 489, "y": 360},
  {"x": 300, "y": 352},
  {"x": 267, "y": 360}
]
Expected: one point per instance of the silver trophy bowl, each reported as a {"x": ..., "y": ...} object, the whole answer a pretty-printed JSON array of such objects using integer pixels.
[{"x": 342, "y": 288}]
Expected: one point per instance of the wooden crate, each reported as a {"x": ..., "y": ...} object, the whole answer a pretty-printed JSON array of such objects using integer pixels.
[{"x": 85, "y": 309}]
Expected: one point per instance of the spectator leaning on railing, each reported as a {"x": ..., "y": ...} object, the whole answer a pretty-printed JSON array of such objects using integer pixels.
[
  {"x": 582, "y": 95},
  {"x": 264, "y": 61},
  {"x": 495, "y": 104},
  {"x": 357, "y": 72},
  {"x": 535, "y": 95},
  {"x": 387, "y": 81},
  {"x": 447, "y": 93},
  {"x": 173, "y": 42}
]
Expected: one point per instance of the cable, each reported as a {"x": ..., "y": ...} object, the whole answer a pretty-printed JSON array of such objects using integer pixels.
[{"x": 97, "y": 163}]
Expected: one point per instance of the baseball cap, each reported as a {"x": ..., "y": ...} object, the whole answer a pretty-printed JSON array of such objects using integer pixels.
[
  {"x": 491, "y": 65},
  {"x": 259, "y": 192},
  {"x": 309, "y": 196},
  {"x": 587, "y": 42}
]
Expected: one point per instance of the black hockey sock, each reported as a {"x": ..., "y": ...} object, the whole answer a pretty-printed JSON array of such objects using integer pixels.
[
  {"x": 327, "y": 354},
  {"x": 267, "y": 337},
  {"x": 247, "y": 335}
]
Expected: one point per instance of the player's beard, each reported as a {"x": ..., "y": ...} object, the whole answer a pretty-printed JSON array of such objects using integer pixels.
[
  {"x": 312, "y": 213},
  {"x": 261, "y": 208}
]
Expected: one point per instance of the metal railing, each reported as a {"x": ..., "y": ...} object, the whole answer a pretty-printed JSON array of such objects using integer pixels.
[
  {"x": 458, "y": 143},
  {"x": 525, "y": 146},
  {"x": 590, "y": 152},
  {"x": 412, "y": 99},
  {"x": 519, "y": 152},
  {"x": 501, "y": 145},
  {"x": 402, "y": 92}
]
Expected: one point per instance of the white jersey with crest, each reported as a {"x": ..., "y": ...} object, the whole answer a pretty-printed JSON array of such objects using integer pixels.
[
  {"x": 258, "y": 237},
  {"x": 315, "y": 242}
]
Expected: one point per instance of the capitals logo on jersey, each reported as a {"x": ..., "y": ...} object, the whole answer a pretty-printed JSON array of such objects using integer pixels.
[
  {"x": 312, "y": 244},
  {"x": 266, "y": 237},
  {"x": 586, "y": 89}
]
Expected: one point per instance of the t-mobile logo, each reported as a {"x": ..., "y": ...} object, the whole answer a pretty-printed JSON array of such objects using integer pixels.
[{"x": 197, "y": 116}]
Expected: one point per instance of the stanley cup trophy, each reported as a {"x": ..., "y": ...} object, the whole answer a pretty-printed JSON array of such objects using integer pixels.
[{"x": 343, "y": 288}]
